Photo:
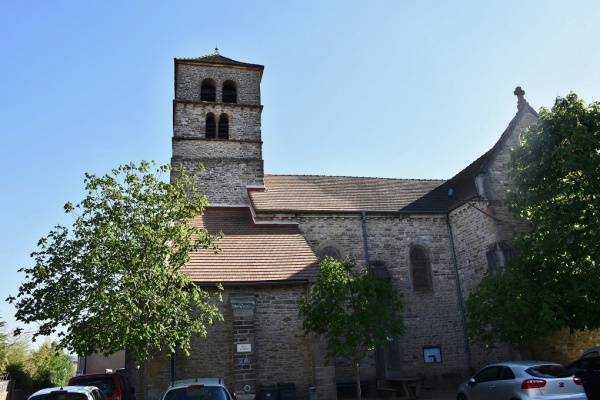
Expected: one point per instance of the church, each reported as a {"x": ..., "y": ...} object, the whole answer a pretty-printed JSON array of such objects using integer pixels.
[{"x": 434, "y": 239}]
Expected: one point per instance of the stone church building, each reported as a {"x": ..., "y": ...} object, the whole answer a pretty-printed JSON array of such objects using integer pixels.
[{"x": 434, "y": 239}]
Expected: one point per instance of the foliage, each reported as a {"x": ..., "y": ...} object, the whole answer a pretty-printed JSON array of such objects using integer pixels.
[
  {"x": 555, "y": 186},
  {"x": 51, "y": 366},
  {"x": 33, "y": 369},
  {"x": 3, "y": 346},
  {"x": 114, "y": 282},
  {"x": 13, "y": 350},
  {"x": 353, "y": 310},
  {"x": 504, "y": 307}
]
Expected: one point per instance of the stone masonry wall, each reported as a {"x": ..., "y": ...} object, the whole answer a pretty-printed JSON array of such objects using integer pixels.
[
  {"x": 280, "y": 351},
  {"x": 222, "y": 182},
  {"x": 190, "y": 75},
  {"x": 432, "y": 318},
  {"x": 190, "y": 120}
]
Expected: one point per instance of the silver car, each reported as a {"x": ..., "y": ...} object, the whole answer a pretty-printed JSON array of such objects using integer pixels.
[
  {"x": 198, "y": 389},
  {"x": 522, "y": 380}
]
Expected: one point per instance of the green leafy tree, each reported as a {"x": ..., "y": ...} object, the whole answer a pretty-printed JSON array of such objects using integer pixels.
[
  {"x": 114, "y": 280},
  {"x": 353, "y": 310},
  {"x": 3, "y": 346},
  {"x": 50, "y": 366},
  {"x": 506, "y": 309},
  {"x": 555, "y": 187}
]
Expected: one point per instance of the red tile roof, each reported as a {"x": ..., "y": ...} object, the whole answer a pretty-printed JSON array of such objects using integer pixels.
[
  {"x": 312, "y": 193},
  {"x": 251, "y": 253}
]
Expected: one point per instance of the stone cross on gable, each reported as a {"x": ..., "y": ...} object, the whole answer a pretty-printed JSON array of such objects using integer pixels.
[{"x": 520, "y": 99}]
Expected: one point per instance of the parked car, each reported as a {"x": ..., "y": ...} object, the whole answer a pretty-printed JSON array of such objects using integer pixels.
[
  {"x": 69, "y": 393},
  {"x": 588, "y": 369},
  {"x": 198, "y": 389},
  {"x": 522, "y": 380},
  {"x": 592, "y": 352},
  {"x": 115, "y": 386}
]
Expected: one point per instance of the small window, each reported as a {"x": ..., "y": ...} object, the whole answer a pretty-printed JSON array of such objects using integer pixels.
[
  {"x": 211, "y": 127},
  {"x": 499, "y": 255},
  {"x": 421, "y": 270},
  {"x": 223, "y": 127},
  {"x": 331, "y": 252},
  {"x": 229, "y": 92},
  {"x": 208, "y": 91},
  {"x": 379, "y": 270},
  {"x": 432, "y": 355}
]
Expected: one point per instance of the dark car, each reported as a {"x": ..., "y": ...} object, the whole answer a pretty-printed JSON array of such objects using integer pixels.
[
  {"x": 588, "y": 370},
  {"x": 115, "y": 386}
]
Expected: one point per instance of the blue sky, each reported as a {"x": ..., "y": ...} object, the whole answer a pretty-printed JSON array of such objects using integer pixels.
[{"x": 398, "y": 89}]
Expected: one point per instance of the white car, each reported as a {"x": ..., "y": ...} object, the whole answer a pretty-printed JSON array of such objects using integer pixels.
[
  {"x": 198, "y": 389},
  {"x": 523, "y": 380},
  {"x": 69, "y": 393}
]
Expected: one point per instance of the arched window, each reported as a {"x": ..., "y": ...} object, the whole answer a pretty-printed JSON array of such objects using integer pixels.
[
  {"x": 223, "y": 127},
  {"x": 499, "y": 255},
  {"x": 420, "y": 269},
  {"x": 208, "y": 91},
  {"x": 229, "y": 92},
  {"x": 211, "y": 127},
  {"x": 331, "y": 252}
]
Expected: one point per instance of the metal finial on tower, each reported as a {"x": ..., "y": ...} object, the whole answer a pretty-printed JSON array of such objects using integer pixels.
[{"x": 216, "y": 50}]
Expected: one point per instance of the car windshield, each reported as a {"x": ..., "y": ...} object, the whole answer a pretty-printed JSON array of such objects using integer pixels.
[
  {"x": 60, "y": 396},
  {"x": 106, "y": 385},
  {"x": 548, "y": 371},
  {"x": 196, "y": 393}
]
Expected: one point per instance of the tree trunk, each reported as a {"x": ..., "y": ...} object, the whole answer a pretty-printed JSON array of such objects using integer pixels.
[{"x": 357, "y": 376}]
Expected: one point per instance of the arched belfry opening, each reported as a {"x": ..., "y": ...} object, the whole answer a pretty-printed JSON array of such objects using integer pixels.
[
  {"x": 208, "y": 90},
  {"x": 223, "y": 127},
  {"x": 229, "y": 92},
  {"x": 211, "y": 127}
]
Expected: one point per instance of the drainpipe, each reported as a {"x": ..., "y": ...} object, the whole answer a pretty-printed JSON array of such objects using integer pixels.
[
  {"x": 365, "y": 243},
  {"x": 459, "y": 293}
]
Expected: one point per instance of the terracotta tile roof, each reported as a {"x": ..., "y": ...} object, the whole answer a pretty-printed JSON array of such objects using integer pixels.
[
  {"x": 310, "y": 193},
  {"x": 251, "y": 253}
]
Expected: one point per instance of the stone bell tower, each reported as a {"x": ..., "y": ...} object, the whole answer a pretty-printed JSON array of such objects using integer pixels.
[{"x": 216, "y": 121}]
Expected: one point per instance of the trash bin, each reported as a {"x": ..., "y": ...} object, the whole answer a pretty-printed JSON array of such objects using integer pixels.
[
  {"x": 267, "y": 393},
  {"x": 287, "y": 391},
  {"x": 312, "y": 393}
]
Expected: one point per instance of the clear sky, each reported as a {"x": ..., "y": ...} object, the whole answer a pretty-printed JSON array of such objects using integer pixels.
[{"x": 398, "y": 89}]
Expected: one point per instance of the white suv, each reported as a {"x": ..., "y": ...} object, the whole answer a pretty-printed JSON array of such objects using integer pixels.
[{"x": 198, "y": 389}]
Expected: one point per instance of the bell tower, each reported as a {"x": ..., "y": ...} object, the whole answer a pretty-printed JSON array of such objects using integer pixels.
[{"x": 217, "y": 121}]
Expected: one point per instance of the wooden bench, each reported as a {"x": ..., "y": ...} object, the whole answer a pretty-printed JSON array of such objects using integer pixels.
[
  {"x": 347, "y": 387},
  {"x": 393, "y": 392}
]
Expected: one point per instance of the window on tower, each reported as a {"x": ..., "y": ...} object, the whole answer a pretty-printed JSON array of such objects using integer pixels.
[
  {"x": 211, "y": 127},
  {"x": 208, "y": 91},
  {"x": 223, "y": 127},
  {"x": 229, "y": 92}
]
